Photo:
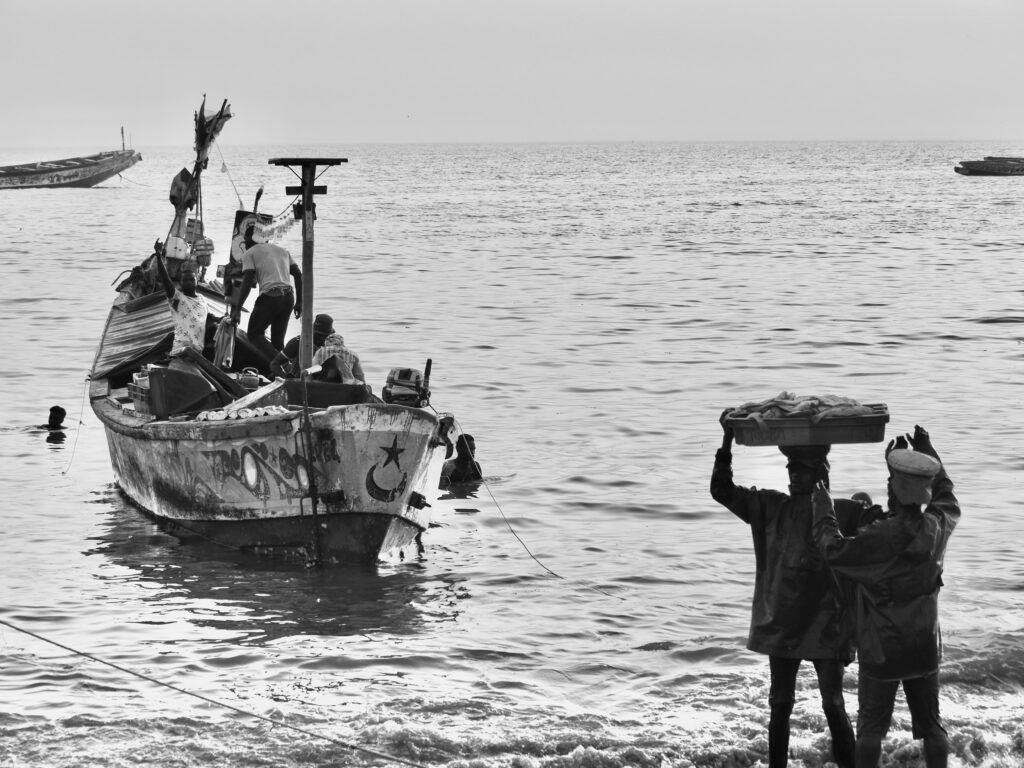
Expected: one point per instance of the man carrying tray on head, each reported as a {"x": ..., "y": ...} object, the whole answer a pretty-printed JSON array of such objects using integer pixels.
[{"x": 797, "y": 611}]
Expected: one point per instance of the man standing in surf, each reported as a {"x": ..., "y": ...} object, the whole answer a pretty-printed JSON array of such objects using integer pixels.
[
  {"x": 798, "y": 611},
  {"x": 897, "y": 566}
]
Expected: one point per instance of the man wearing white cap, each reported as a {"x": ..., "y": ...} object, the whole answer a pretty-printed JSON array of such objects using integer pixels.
[{"x": 897, "y": 564}]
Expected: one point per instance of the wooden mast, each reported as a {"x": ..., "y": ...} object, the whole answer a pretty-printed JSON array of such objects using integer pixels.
[{"x": 307, "y": 211}]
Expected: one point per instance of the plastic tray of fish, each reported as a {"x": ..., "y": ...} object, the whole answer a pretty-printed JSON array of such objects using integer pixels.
[{"x": 805, "y": 430}]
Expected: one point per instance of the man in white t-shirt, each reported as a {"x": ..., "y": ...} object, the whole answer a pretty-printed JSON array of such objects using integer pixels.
[
  {"x": 269, "y": 266},
  {"x": 187, "y": 309}
]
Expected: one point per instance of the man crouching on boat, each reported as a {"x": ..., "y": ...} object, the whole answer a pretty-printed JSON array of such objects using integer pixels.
[
  {"x": 187, "y": 309},
  {"x": 797, "y": 611},
  {"x": 340, "y": 363}
]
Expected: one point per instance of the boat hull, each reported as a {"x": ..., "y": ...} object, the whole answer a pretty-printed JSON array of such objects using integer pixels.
[
  {"x": 350, "y": 537},
  {"x": 350, "y": 484},
  {"x": 990, "y": 167},
  {"x": 85, "y": 171}
]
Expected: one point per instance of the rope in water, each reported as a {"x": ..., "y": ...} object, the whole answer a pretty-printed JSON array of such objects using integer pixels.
[
  {"x": 527, "y": 549},
  {"x": 207, "y": 699},
  {"x": 518, "y": 538},
  {"x": 122, "y": 177},
  {"x": 81, "y": 413}
]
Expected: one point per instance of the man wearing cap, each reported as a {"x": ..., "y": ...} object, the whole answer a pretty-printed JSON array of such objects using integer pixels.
[
  {"x": 286, "y": 363},
  {"x": 896, "y": 564},
  {"x": 797, "y": 611}
]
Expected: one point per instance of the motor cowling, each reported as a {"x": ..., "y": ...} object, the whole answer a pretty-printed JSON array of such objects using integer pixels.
[{"x": 407, "y": 386}]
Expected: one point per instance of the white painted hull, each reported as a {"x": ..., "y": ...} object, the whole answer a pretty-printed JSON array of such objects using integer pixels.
[{"x": 353, "y": 486}]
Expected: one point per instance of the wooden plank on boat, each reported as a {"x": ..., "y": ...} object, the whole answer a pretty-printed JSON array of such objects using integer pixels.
[
  {"x": 320, "y": 189},
  {"x": 215, "y": 431}
]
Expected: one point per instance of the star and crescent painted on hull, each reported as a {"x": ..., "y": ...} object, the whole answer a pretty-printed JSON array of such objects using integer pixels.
[{"x": 377, "y": 492}]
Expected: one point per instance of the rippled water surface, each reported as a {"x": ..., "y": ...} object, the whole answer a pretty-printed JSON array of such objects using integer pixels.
[{"x": 589, "y": 310}]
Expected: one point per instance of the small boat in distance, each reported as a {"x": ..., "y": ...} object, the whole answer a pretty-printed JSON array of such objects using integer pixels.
[
  {"x": 84, "y": 171},
  {"x": 992, "y": 166}
]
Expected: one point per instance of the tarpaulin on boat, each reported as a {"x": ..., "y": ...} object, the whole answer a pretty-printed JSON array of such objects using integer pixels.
[
  {"x": 137, "y": 332},
  {"x": 134, "y": 330}
]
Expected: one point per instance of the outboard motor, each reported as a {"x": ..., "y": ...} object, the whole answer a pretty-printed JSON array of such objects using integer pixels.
[{"x": 407, "y": 386}]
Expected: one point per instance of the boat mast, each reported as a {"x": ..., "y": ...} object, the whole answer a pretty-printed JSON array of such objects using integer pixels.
[
  {"x": 306, "y": 210},
  {"x": 186, "y": 189}
]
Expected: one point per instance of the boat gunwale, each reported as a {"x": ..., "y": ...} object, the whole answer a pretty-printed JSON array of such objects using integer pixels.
[
  {"x": 66, "y": 163},
  {"x": 111, "y": 412}
]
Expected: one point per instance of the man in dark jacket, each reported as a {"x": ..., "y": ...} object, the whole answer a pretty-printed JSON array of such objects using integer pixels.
[
  {"x": 286, "y": 364},
  {"x": 797, "y": 611},
  {"x": 897, "y": 564}
]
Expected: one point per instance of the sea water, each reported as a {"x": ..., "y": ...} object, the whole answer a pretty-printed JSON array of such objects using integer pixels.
[{"x": 589, "y": 310}]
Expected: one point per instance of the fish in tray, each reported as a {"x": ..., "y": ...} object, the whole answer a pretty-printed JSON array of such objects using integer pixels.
[
  {"x": 789, "y": 419},
  {"x": 816, "y": 407}
]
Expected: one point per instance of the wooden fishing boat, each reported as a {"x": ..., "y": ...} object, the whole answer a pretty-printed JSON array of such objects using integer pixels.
[
  {"x": 991, "y": 166},
  {"x": 298, "y": 468},
  {"x": 85, "y": 171}
]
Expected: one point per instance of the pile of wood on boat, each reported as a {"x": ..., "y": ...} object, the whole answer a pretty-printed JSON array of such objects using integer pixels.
[
  {"x": 300, "y": 468},
  {"x": 992, "y": 166}
]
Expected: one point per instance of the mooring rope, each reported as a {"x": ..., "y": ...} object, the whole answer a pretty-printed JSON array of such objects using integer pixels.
[
  {"x": 512, "y": 530},
  {"x": 208, "y": 700},
  {"x": 81, "y": 413},
  {"x": 136, "y": 183},
  {"x": 224, "y": 168}
]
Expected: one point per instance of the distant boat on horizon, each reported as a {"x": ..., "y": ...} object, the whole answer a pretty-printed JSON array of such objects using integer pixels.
[
  {"x": 82, "y": 171},
  {"x": 992, "y": 166}
]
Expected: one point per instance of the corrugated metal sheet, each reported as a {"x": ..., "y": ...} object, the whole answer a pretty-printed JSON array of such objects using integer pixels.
[{"x": 136, "y": 330}]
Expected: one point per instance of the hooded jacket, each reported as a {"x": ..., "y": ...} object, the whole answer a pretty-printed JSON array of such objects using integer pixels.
[
  {"x": 798, "y": 606},
  {"x": 896, "y": 564}
]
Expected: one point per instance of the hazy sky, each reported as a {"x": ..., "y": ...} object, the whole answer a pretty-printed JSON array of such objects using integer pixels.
[{"x": 340, "y": 71}]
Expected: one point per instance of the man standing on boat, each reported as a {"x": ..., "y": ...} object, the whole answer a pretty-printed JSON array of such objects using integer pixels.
[
  {"x": 897, "y": 564},
  {"x": 187, "y": 309},
  {"x": 797, "y": 612},
  {"x": 268, "y": 266}
]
